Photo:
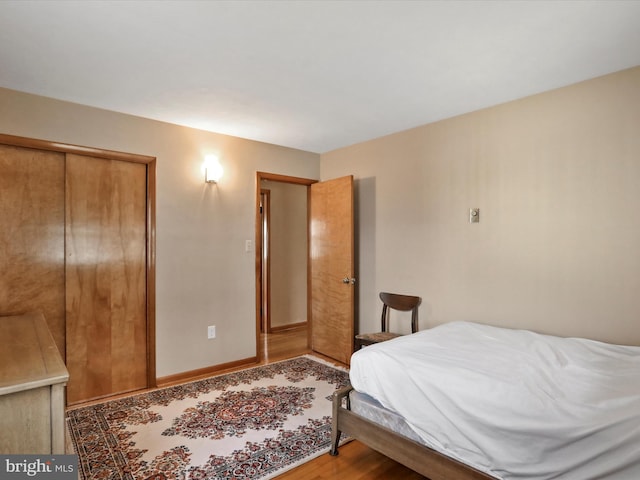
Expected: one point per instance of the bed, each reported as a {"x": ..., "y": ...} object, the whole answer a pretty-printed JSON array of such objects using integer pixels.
[{"x": 471, "y": 401}]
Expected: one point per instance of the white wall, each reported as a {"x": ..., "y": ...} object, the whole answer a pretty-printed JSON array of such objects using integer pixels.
[
  {"x": 204, "y": 275},
  {"x": 557, "y": 179}
]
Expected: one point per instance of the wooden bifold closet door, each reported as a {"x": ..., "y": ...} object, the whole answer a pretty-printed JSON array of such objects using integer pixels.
[
  {"x": 32, "y": 236},
  {"x": 75, "y": 241},
  {"x": 105, "y": 244}
]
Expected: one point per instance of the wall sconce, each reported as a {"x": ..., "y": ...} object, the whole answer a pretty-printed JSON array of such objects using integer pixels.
[{"x": 212, "y": 169}]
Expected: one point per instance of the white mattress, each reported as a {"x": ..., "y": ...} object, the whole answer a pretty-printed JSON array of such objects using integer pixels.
[
  {"x": 367, "y": 407},
  {"x": 512, "y": 403}
]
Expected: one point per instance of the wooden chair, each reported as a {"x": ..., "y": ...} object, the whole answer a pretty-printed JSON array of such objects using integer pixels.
[{"x": 391, "y": 301}]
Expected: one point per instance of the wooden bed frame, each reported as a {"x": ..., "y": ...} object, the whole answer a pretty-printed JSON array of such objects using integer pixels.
[{"x": 418, "y": 457}]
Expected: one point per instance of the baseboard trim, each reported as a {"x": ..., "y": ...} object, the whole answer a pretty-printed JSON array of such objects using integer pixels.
[{"x": 205, "y": 372}]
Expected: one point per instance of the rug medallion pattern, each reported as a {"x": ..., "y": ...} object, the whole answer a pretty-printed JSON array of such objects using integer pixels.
[{"x": 251, "y": 424}]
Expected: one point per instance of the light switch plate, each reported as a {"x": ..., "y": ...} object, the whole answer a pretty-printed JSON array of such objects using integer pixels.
[{"x": 474, "y": 215}]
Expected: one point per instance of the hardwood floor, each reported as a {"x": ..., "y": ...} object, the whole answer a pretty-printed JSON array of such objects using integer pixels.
[
  {"x": 284, "y": 344},
  {"x": 355, "y": 461}
]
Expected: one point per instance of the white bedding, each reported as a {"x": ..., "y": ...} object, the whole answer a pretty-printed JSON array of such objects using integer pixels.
[{"x": 512, "y": 403}]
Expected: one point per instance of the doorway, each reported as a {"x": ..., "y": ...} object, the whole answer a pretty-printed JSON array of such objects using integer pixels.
[{"x": 282, "y": 250}]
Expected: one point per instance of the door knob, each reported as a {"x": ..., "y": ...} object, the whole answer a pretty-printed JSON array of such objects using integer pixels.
[{"x": 352, "y": 281}]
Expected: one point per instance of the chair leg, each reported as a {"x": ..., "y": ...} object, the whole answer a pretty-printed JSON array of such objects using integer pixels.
[{"x": 335, "y": 440}]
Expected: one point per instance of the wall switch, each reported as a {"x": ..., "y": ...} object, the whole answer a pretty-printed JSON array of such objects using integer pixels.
[
  {"x": 248, "y": 244},
  {"x": 211, "y": 331},
  {"x": 474, "y": 215}
]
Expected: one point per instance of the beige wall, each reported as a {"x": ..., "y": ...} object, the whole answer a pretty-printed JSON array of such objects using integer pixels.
[
  {"x": 557, "y": 179},
  {"x": 288, "y": 253},
  {"x": 204, "y": 275}
]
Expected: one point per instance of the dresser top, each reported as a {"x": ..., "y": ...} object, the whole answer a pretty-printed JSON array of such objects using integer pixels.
[{"x": 29, "y": 357}]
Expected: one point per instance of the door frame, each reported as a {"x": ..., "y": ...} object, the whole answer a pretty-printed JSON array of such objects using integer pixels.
[
  {"x": 150, "y": 163},
  {"x": 258, "y": 249},
  {"x": 265, "y": 260}
]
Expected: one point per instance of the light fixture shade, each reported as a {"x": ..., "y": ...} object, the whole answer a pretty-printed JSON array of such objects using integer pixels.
[{"x": 212, "y": 169}]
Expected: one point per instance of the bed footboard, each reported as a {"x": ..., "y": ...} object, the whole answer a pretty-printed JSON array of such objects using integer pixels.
[{"x": 418, "y": 457}]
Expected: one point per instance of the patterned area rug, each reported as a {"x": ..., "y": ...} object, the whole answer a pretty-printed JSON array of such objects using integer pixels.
[{"x": 252, "y": 424}]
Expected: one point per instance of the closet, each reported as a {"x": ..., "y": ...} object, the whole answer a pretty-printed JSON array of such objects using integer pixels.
[{"x": 77, "y": 244}]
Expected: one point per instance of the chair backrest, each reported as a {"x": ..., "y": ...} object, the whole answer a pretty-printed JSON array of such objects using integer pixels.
[{"x": 403, "y": 303}]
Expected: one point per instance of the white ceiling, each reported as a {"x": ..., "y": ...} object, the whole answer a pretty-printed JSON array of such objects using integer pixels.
[{"x": 313, "y": 75}]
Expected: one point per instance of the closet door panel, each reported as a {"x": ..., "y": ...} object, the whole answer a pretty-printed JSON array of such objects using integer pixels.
[
  {"x": 105, "y": 277},
  {"x": 32, "y": 236}
]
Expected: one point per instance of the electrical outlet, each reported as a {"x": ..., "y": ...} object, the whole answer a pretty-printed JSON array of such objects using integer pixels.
[{"x": 211, "y": 331}]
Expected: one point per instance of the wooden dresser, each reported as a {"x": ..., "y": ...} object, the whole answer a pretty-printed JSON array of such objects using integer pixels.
[{"x": 32, "y": 382}]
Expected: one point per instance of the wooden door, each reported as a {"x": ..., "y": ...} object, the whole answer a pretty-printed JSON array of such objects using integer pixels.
[
  {"x": 32, "y": 235},
  {"x": 332, "y": 268},
  {"x": 105, "y": 277}
]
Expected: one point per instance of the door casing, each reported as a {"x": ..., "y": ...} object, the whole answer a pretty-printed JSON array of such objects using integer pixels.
[{"x": 265, "y": 261}]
